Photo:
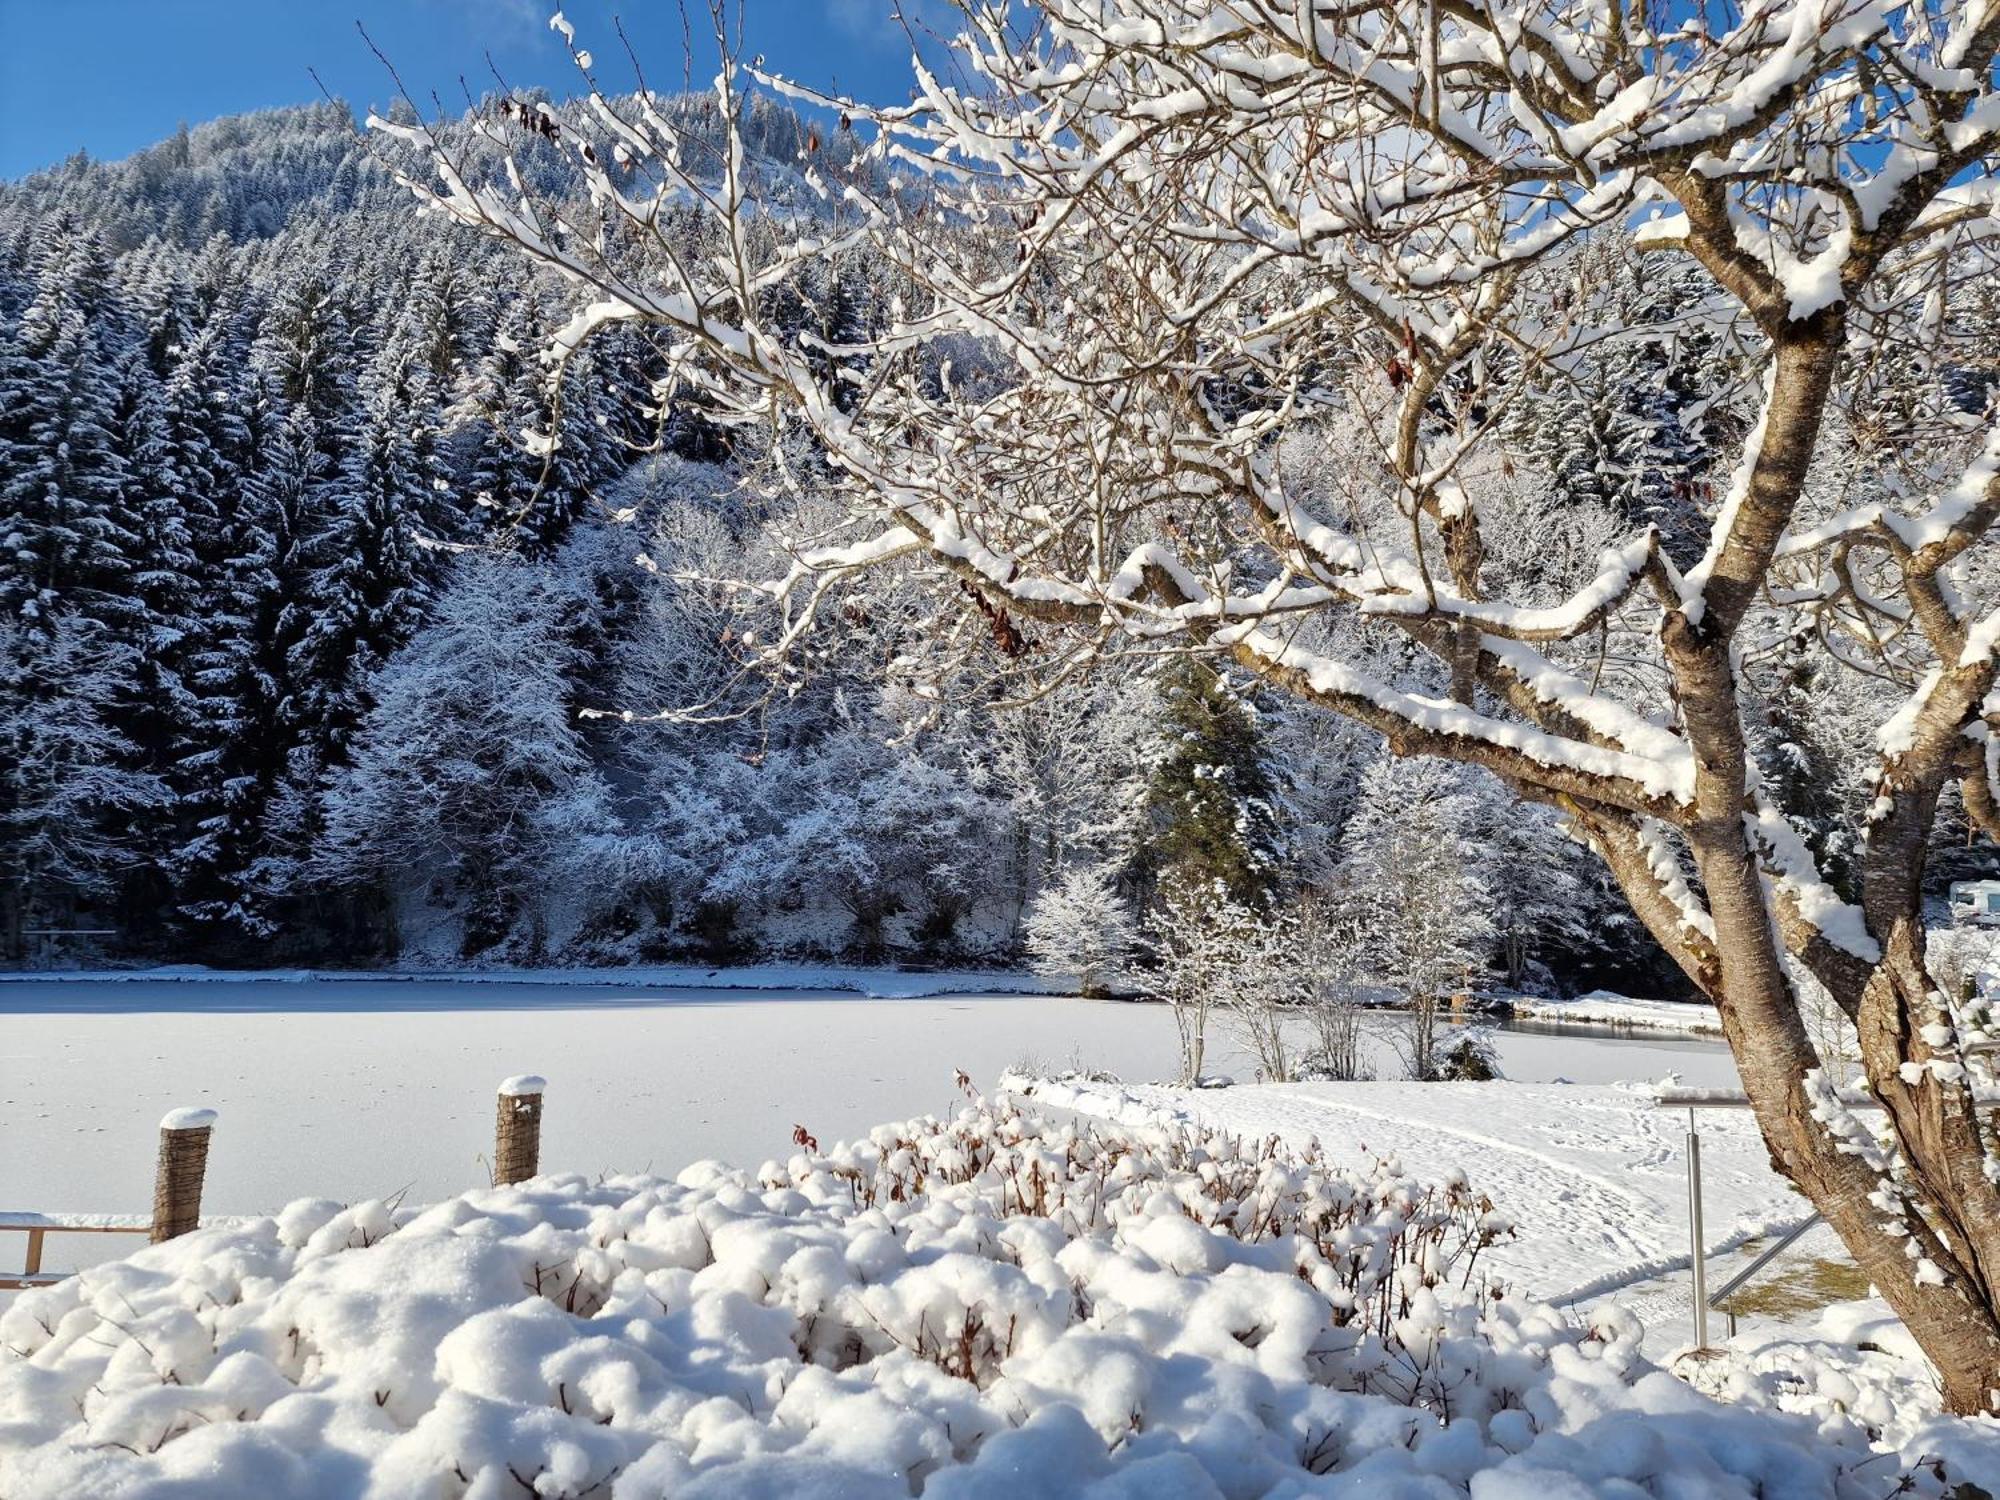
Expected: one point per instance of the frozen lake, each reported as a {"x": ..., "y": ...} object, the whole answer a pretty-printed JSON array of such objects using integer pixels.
[{"x": 359, "y": 1089}]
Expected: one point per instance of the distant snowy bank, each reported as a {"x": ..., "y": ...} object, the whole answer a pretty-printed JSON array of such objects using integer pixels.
[
  {"x": 1598, "y": 1008},
  {"x": 996, "y": 1306},
  {"x": 876, "y": 983},
  {"x": 1602, "y": 1008}
]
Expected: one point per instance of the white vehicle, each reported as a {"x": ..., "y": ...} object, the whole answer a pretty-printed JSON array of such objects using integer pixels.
[{"x": 1976, "y": 902}]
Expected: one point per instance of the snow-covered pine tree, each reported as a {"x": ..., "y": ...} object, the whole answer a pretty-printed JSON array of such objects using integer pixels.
[
  {"x": 1628, "y": 426},
  {"x": 308, "y": 348},
  {"x": 527, "y": 464},
  {"x": 1211, "y": 793},
  {"x": 65, "y": 786},
  {"x": 63, "y": 481},
  {"x": 157, "y": 715},
  {"x": 367, "y": 570},
  {"x": 264, "y": 750}
]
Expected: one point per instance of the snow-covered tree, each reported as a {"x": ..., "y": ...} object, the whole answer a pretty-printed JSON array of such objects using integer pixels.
[
  {"x": 527, "y": 459},
  {"x": 1215, "y": 823},
  {"x": 1214, "y": 955},
  {"x": 1416, "y": 883},
  {"x": 1082, "y": 925},
  {"x": 66, "y": 789},
  {"x": 63, "y": 526},
  {"x": 1328, "y": 937},
  {"x": 467, "y": 771},
  {"x": 1315, "y": 209}
]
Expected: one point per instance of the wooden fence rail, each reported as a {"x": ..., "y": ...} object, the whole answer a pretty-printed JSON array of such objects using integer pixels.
[{"x": 37, "y": 1227}]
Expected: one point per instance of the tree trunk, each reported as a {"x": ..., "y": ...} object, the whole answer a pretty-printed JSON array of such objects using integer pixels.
[
  {"x": 1952, "y": 1321},
  {"x": 1952, "y": 1222},
  {"x": 1914, "y": 1248}
]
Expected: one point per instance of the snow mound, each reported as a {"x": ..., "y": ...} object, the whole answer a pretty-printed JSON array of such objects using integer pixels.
[
  {"x": 996, "y": 1305},
  {"x": 1858, "y": 1369}
]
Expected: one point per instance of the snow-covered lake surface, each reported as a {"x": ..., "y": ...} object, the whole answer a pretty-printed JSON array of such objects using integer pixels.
[{"x": 362, "y": 1088}]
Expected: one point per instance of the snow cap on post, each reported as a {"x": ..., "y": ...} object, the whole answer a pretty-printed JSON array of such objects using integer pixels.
[
  {"x": 523, "y": 1083},
  {"x": 193, "y": 1118}
]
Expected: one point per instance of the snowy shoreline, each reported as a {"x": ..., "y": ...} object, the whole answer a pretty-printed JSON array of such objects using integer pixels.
[
  {"x": 1596, "y": 1009},
  {"x": 1602, "y": 1008},
  {"x": 874, "y": 984}
]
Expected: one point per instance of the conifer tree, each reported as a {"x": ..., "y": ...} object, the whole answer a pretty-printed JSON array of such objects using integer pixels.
[
  {"x": 1212, "y": 795},
  {"x": 264, "y": 728},
  {"x": 63, "y": 482},
  {"x": 157, "y": 715},
  {"x": 525, "y": 462},
  {"x": 65, "y": 786}
]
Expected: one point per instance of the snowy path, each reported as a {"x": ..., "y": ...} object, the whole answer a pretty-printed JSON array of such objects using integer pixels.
[{"x": 1593, "y": 1176}]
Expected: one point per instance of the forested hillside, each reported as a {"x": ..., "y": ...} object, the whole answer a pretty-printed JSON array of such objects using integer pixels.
[{"x": 327, "y": 636}]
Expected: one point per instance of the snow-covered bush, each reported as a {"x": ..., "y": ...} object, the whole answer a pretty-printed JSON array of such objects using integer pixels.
[
  {"x": 1471, "y": 1059},
  {"x": 993, "y": 1305},
  {"x": 1857, "y": 1368}
]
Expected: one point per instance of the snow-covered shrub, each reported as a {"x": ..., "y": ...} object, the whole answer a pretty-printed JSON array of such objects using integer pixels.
[
  {"x": 1471, "y": 1059},
  {"x": 1857, "y": 1371},
  {"x": 994, "y": 1305}
]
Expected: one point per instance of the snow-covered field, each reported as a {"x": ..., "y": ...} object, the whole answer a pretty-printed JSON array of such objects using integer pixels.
[
  {"x": 356, "y": 1090},
  {"x": 360, "y": 1090}
]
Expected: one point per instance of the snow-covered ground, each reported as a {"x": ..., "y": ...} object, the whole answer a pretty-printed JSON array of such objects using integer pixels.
[
  {"x": 1593, "y": 1175},
  {"x": 355, "y": 1090},
  {"x": 1593, "y": 1179},
  {"x": 994, "y": 1309}
]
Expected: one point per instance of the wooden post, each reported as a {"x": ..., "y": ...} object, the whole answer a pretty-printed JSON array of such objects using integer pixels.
[
  {"x": 183, "y": 1163},
  {"x": 517, "y": 1129}
]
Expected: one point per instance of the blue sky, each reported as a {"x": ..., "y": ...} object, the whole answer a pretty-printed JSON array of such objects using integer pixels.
[{"x": 110, "y": 76}]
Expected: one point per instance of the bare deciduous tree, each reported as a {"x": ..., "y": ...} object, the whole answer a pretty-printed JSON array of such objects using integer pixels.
[
  {"x": 1328, "y": 942},
  {"x": 1142, "y": 238}
]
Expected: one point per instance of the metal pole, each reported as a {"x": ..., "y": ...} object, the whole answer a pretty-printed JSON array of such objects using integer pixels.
[
  {"x": 1777, "y": 1247},
  {"x": 1695, "y": 1237}
]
